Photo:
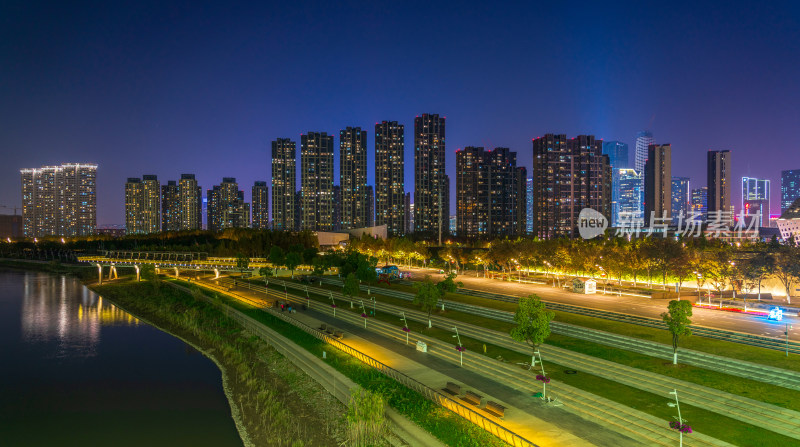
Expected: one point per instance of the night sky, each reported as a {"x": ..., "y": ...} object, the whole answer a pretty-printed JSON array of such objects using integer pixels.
[{"x": 191, "y": 87}]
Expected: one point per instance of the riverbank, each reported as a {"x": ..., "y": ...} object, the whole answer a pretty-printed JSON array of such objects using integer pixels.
[
  {"x": 82, "y": 272},
  {"x": 272, "y": 402}
]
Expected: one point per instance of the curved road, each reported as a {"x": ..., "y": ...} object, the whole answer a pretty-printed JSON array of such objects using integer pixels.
[{"x": 644, "y": 307}]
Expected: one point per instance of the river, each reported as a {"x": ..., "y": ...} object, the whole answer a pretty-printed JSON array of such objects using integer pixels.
[{"x": 76, "y": 370}]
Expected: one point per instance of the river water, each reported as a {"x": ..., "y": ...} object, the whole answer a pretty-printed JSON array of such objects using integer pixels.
[{"x": 76, "y": 370}]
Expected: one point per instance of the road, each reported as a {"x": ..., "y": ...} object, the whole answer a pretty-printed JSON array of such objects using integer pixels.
[{"x": 645, "y": 307}]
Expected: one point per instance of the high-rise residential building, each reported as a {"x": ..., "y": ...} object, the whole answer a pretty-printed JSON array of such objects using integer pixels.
[
  {"x": 700, "y": 201},
  {"x": 719, "y": 181},
  {"x": 529, "y": 206},
  {"x": 337, "y": 208},
  {"x": 284, "y": 184},
  {"x": 390, "y": 207},
  {"x": 431, "y": 191},
  {"x": 316, "y": 178},
  {"x": 353, "y": 177},
  {"x": 520, "y": 201},
  {"x": 643, "y": 141},
  {"x": 658, "y": 184},
  {"x": 568, "y": 176},
  {"x": 630, "y": 207},
  {"x": 370, "y": 206},
  {"x": 170, "y": 207},
  {"x": 191, "y": 203},
  {"x": 502, "y": 188},
  {"x": 226, "y": 206},
  {"x": 260, "y": 200},
  {"x": 408, "y": 221},
  {"x": 59, "y": 200},
  {"x": 472, "y": 192},
  {"x": 755, "y": 199},
  {"x": 618, "y": 159},
  {"x": 142, "y": 205},
  {"x": 298, "y": 210},
  {"x": 681, "y": 198},
  {"x": 790, "y": 188},
  {"x": 410, "y": 217}
]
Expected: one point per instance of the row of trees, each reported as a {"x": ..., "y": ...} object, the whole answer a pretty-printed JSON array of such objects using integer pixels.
[{"x": 713, "y": 263}]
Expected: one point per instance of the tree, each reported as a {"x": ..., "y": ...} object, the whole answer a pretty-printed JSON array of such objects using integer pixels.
[
  {"x": 366, "y": 272},
  {"x": 448, "y": 285},
  {"x": 428, "y": 295},
  {"x": 148, "y": 273},
  {"x": 319, "y": 267},
  {"x": 276, "y": 257},
  {"x": 293, "y": 259},
  {"x": 366, "y": 420},
  {"x": 677, "y": 320},
  {"x": 787, "y": 269},
  {"x": 266, "y": 272},
  {"x": 242, "y": 263},
  {"x": 533, "y": 323},
  {"x": 351, "y": 287}
]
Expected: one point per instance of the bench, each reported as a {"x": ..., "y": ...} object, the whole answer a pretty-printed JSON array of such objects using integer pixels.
[
  {"x": 338, "y": 334},
  {"x": 495, "y": 409},
  {"x": 323, "y": 327},
  {"x": 452, "y": 389},
  {"x": 472, "y": 398}
]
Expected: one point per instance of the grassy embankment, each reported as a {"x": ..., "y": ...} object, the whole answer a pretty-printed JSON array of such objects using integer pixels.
[
  {"x": 707, "y": 422},
  {"x": 445, "y": 425},
  {"x": 276, "y": 403}
]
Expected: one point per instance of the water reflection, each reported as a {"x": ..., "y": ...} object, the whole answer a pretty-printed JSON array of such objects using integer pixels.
[{"x": 57, "y": 308}]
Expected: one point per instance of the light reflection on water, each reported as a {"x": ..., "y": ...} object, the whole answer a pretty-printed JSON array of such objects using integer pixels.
[{"x": 51, "y": 312}]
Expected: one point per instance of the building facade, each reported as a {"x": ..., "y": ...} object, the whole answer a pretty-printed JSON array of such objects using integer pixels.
[
  {"x": 431, "y": 185},
  {"x": 59, "y": 200},
  {"x": 618, "y": 159},
  {"x": 260, "y": 200},
  {"x": 719, "y": 181},
  {"x": 529, "y": 206},
  {"x": 191, "y": 203},
  {"x": 658, "y": 184},
  {"x": 353, "y": 177},
  {"x": 316, "y": 177},
  {"x": 631, "y": 197},
  {"x": 390, "y": 208},
  {"x": 170, "y": 207},
  {"x": 643, "y": 141},
  {"x": 700, "y": 201},
  {"x": 790, "y": 188},
  {"x": 370, "y": 206},
  {"x": 568, "y": 175},
  {"x": 226, "y": 206},
  {"x": 142, "y": 205},
  {"x": 284, "y": 184},
  {"x": 755, "y": 199},
  {"x": 681, "y": 198}
]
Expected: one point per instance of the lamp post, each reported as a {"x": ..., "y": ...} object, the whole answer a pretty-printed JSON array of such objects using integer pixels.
[
  {"x": 544, "y": 381},
  {"x": 460, "y": 347},
  {"x": 406, "y": 329},
  {"x": 364, "y": 313},
  {"x": 699, "y": 299},
  {"x": 333, "y": 305},
  {"x": 680, "y": 420}
]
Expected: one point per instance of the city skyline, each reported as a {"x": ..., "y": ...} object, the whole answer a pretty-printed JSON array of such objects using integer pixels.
[{"x": 177, "y": 103}]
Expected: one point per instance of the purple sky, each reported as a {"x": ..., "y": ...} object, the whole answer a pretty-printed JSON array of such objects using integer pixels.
[{"x": 195, "y": 87}]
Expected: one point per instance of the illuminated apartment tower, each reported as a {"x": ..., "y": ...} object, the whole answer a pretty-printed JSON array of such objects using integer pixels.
[
  {"x": 59, "y": 200},
  {"x": 529, "y": 206},
  {"x": 681, "y": 198},
  {"x": 353, "y": 177},
  {"x": 431, "y": 192},
  {"x": 191, "y": 203},
  {"x": 719, "y": 181},
  {"x": 520, "y": 198},
  {"x": 790, "y": 188},
  {"x": 316, "y": 180},
  {"x": 700, "y": 201},
  {"x": 472, "y": 192},
  {"x": 631, "y": 196},
  {"x": 658, "y": 184},
  {"x": 170, "y": 207},
  {"x": 284, "y": 184},
  {"x": 143, "y": 205},
  {"x": 568, "y": 175},
  {"x": 755, "y": 199},
  {"x": 226, "y": 206},
  {"x": 390, "y": 208},
  {"x": 260, "y": 206},
  {"x": 370, "y": 206}
]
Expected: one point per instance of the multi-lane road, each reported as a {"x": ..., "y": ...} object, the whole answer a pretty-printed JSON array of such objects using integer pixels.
[{"x": 644, "y": 307}]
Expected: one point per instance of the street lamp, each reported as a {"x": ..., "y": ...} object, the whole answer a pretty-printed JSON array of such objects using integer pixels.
[
  {"x": 460, "y": 347},
  {"x": 406, "y": 329},
  {"x": 680, "y": 419},
  {"x": 363, "y": 313},
  {"x": 699, "y": 276}
]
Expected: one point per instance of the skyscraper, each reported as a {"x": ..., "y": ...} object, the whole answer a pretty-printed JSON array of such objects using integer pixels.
[
  {"x": 191, "y": 203},
  {"x": 409, "y": 216},
  {"x": 643, "y": 141},
  {"x": 568, "y": 175},
  {"x": 390, "y": 209},
  {"x": 719, "y": 181},
  {"x": 631, "y": 196},
  {"x": 529, "y": 206},
  {"x": 316, "y": 178},
  {"x": 681, "y": 198},
  {"x": 284, "y": 184},
  {"x": 520, "y": 201},
  {"x": 170, "y": 207},
  {"x": 370, "y": 206},
  {"x": 472, "y": 192},
  {"x": 226, "y": 206},
  {"x": 337, "y": 207},
  {"x": 658, "y": 184},
  {"x": 790, "y": 188},
  {"x": 618, "y": 159},
  {"x": 431, "y": 192},
  {"x": 142, "y": 205},
  {"x": 700, "y": 201},
  {"x": 59, "y": 200},
  {"x": 260, "y": 198},
  {"x": 755, "y": 199},
  {"x": 353, "y": 177}
]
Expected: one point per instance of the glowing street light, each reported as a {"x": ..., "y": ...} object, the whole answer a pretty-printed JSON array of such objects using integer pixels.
[{"x": 460, "y": 348}]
